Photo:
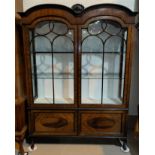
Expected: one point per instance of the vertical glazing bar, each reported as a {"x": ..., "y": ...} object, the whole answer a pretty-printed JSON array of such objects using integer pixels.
[
  {"x": 121, "y": 65},
  {"x": 79, "y": 69},
  {"x": 102, "y": 75},
  {"x": 75, "y": 56},
  {"x": 53, "y": 74},
  {"x": 34, "y": 66}
]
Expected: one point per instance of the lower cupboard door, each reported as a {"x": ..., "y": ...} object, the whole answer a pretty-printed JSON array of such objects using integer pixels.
[
  {"x": 54, "y": 123},
  {"x": 102, "y": 124}
]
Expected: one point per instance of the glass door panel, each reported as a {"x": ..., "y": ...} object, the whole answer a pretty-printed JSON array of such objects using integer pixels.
[
  {"x": 44, "y": 78},
  {"x": 103, "y": 63},
  {"x": 63, "y": 78},
  {"x": 91, "y": 78},
  {"x": 52, "y": 53}
]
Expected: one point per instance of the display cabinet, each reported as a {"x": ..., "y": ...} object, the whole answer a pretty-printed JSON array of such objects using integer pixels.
[{"x": 78, "y": 70}]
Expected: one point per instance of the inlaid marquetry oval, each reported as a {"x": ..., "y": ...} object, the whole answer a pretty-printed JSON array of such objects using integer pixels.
[
  {"x": 55, "y": 122},
  {"x": 101, "y": 122}
]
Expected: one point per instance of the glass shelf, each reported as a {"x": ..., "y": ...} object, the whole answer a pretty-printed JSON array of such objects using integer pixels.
[
  {"x": 99, "y": 76},
  {"x": 56, "y": 76},
  {"x": 84, "y": 76},
  {"x": 106, "y": 52},
  {"x": 83, "y": 52},
  {"x": 50, "y": 52}
]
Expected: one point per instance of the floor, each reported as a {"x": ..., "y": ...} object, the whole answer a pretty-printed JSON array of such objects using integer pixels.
[
  {"x": 87, "y": 149},
  {"x": 76, "y": 149},
  {"x": 133, "y": 139}
]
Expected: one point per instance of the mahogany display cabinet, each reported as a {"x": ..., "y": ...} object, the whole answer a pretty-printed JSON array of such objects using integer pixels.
[{"x": 78, "y": 71}]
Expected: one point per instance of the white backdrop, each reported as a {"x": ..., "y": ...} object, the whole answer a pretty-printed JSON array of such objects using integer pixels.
[{"x": 131, "y": 4}]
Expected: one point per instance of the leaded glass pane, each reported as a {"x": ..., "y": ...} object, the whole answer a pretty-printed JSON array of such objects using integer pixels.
[
  {"x": 42, "y": 28},
  {"x": 65, "y": 42},
  {"x": 92, "y": 44},
  {"x": 95, "y": 28},
  {"x": 42, "y": 44},
  {"x": 60, "y": 28},
  {"x": 113, "y": 44}
]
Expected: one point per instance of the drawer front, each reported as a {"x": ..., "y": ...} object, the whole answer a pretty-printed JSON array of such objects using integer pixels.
[
  {"x": 55, "y": 123},
  {"x": 99, "y": 123}
]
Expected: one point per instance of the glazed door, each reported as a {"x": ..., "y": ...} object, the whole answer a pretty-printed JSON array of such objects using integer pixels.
[
  {"x": 52, "y": 53},
  {"x": 103, "y": 55}
]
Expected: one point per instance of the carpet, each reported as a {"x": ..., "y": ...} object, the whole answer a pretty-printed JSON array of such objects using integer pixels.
[{"x": 75, "y": 149}]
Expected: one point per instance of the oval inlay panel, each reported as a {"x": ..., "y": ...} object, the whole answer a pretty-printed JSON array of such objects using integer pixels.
[
  {"x": 101, "y": 122},
  {"x": 55, "y": 123}
]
